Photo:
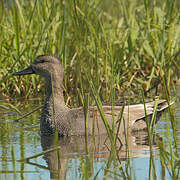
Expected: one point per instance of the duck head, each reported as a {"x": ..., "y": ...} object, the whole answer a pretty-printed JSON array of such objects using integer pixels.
[{"x": 46, "y": 66}]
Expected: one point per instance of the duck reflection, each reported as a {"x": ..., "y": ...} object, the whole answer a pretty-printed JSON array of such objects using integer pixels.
[{"x": 91, "y": 149}]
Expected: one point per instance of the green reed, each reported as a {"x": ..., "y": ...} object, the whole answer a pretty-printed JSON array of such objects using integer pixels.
[
  {"x": 169, "y": 156},
  {"x": 169, "y": 149},
  {"x": 140, "y": 40}
]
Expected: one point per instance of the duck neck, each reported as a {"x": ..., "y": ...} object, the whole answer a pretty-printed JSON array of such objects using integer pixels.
[{"x": 54, "y": 92}]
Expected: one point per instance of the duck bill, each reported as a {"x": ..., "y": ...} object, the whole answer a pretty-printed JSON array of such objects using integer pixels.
[{"x": 28, "y": 70}]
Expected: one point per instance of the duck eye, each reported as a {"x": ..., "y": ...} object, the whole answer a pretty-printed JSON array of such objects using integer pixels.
[{"x": 42, "y": 61}]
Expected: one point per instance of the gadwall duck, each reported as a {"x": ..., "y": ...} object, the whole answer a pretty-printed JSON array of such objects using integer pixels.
[{"x": 57, "y": 116}]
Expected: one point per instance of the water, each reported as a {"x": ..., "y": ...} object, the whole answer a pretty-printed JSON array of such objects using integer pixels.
[{"x": 20, "y": 139}]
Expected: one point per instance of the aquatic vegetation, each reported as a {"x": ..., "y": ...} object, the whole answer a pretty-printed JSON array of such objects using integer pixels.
[{"x": 136, "y": 43}]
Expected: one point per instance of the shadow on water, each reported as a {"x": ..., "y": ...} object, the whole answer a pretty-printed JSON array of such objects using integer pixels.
[{"x": 73, "y": 157}]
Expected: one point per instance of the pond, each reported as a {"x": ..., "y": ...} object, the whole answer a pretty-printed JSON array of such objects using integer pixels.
[{"x": 74, "y": 158}]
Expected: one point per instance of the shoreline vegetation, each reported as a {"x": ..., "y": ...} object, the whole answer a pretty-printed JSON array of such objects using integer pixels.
[{"x": 129, "y": 45}]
